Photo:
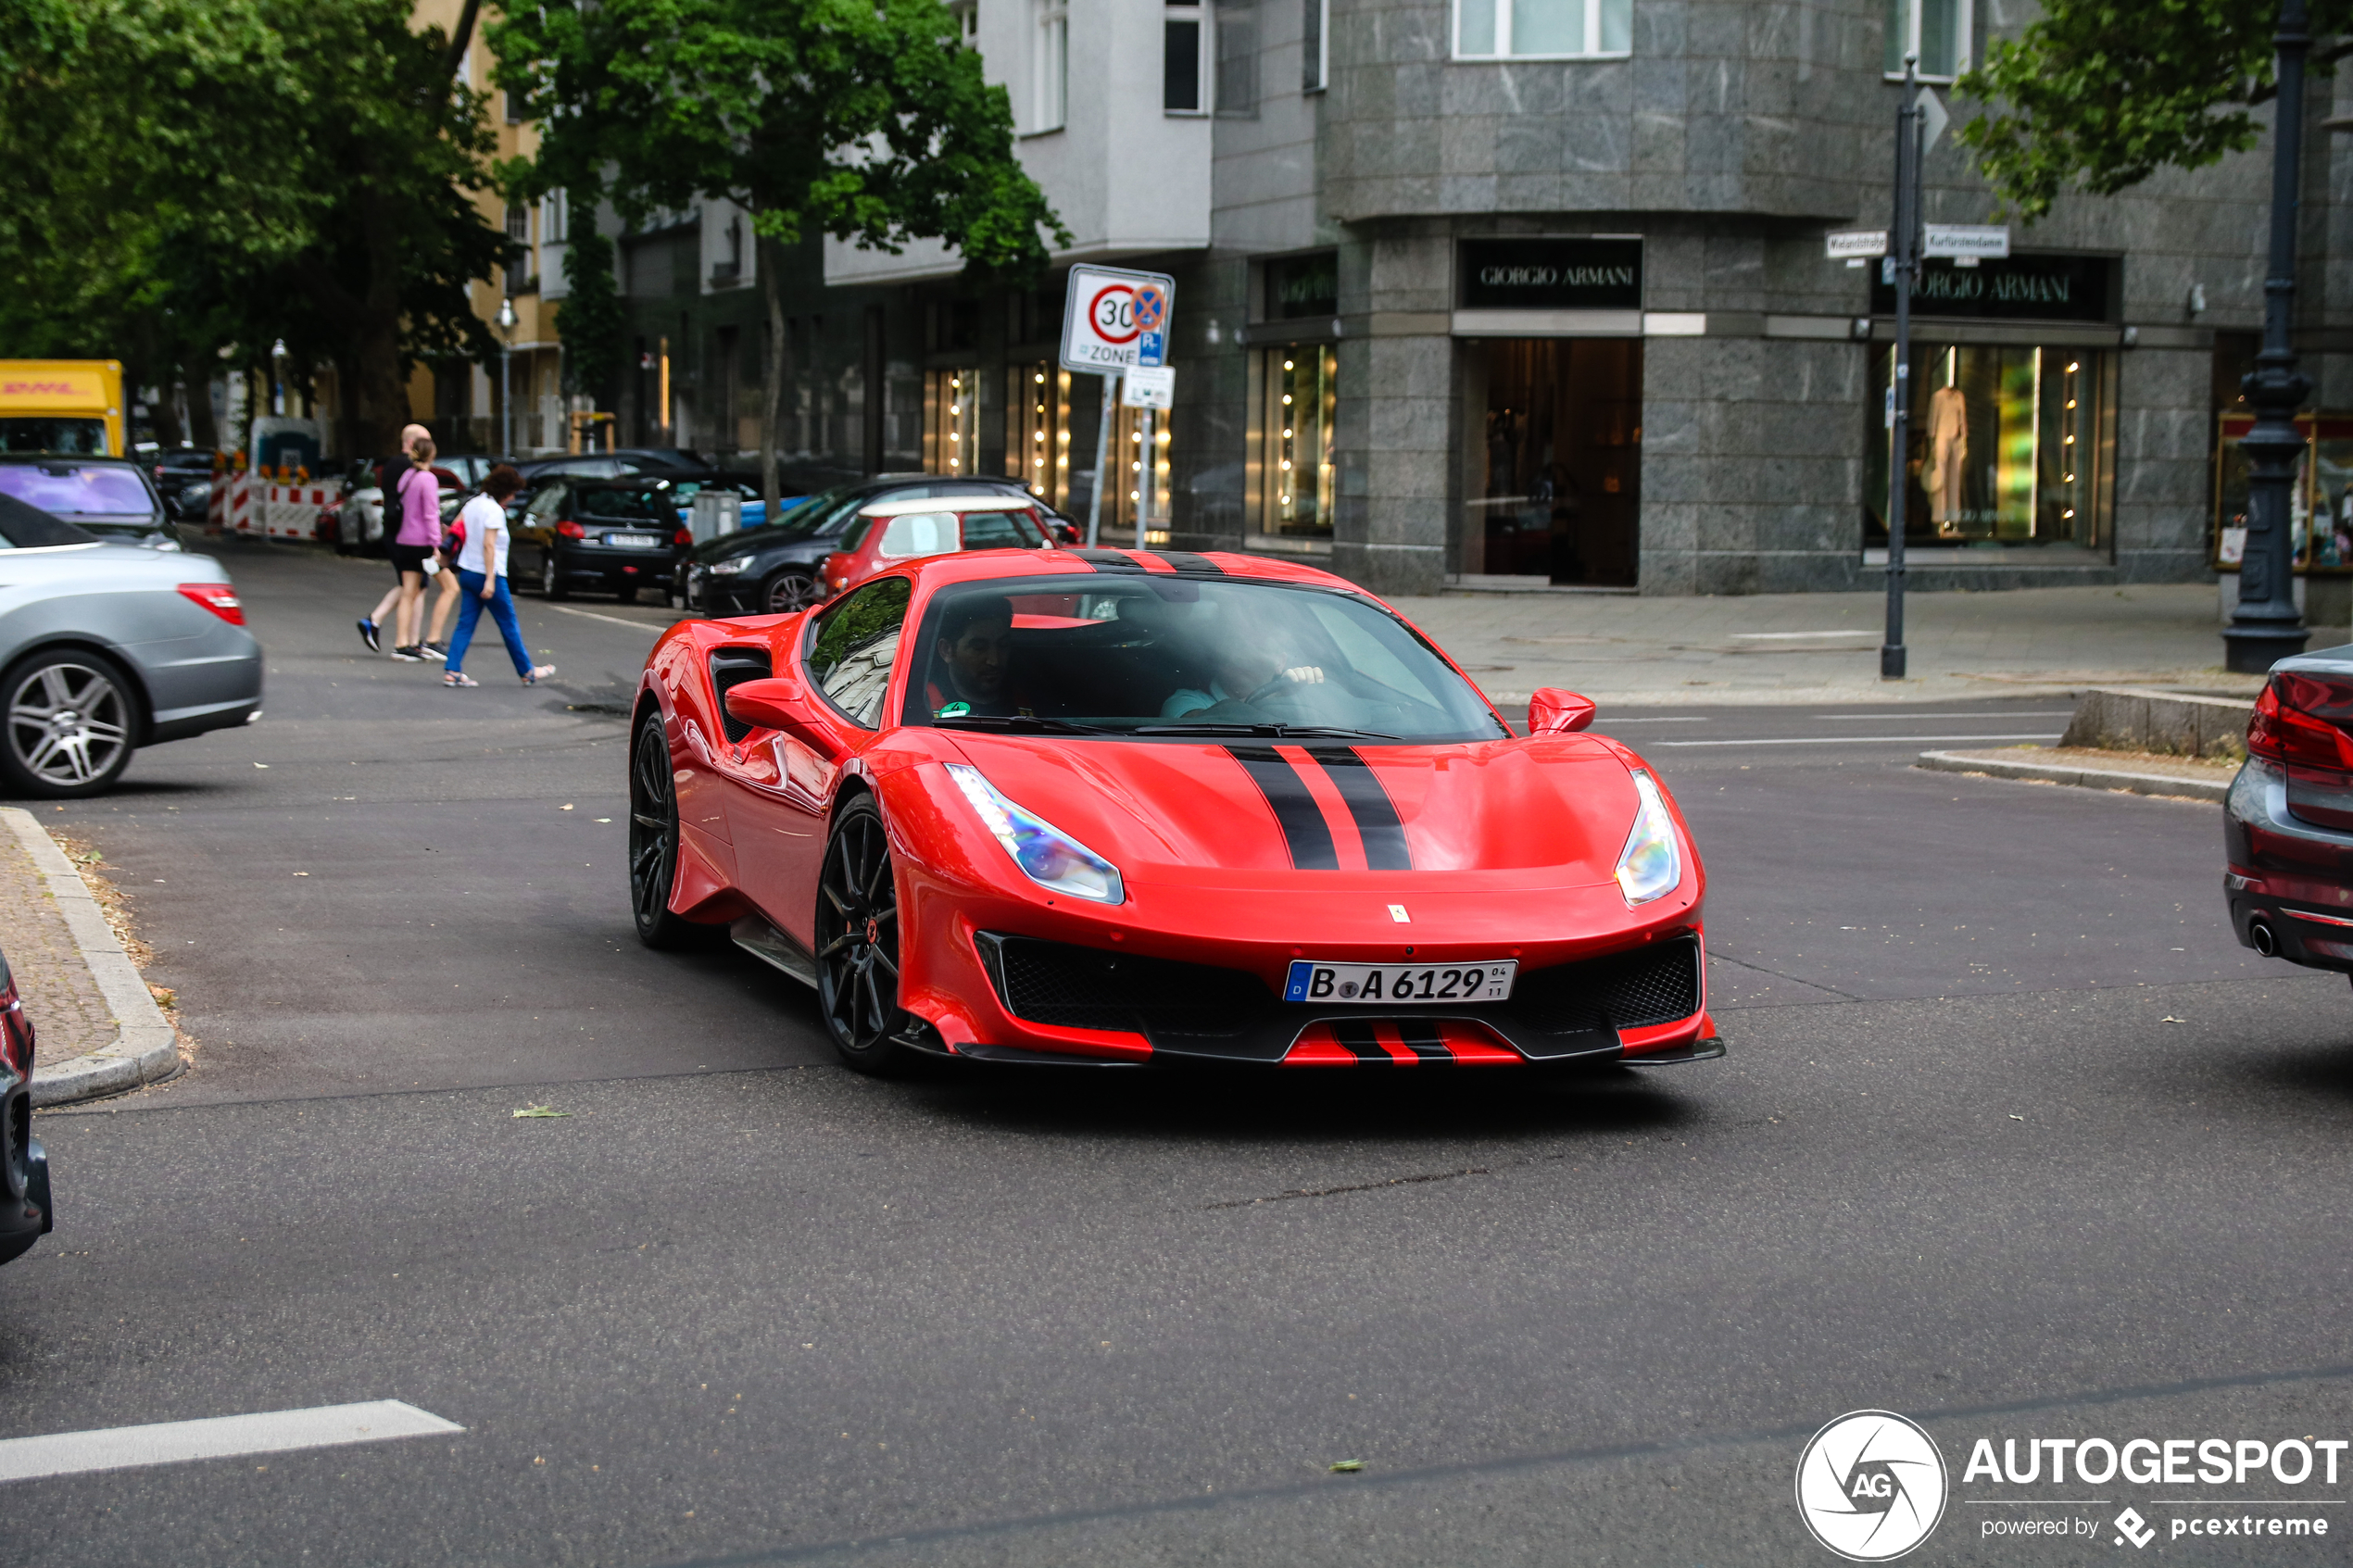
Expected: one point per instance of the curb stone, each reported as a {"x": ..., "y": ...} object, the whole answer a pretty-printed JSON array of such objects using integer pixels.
[
  {"x": 145, "y": 1049},
  {"x": 2086, "y": 778}
]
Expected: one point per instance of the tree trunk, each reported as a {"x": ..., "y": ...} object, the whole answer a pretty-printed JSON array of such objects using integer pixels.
[
  {"x": 196, "y": 374},
  {"x": 772, "y": 395}
]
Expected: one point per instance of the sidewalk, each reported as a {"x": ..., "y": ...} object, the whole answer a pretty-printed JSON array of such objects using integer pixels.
[
  {"x": 1814, "y": 647},
  {"x": 97, "y": 1031}
]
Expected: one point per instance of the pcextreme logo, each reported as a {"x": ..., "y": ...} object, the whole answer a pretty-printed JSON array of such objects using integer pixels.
[{"x": 1870, "y": 1485}]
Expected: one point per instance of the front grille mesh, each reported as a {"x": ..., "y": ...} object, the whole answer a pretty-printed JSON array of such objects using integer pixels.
[
  {"x": 1083, "y": 988},
  {"x": 1654, "y": 984}
]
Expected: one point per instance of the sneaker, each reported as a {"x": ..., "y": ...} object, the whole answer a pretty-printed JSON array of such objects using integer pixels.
[
  {"x": 409, "y": 655},
  {"x": 458, "y": 678},
  {"x": 368, "y": 636},
  {"x": 538, "y": 673},
  {"x": 436, "y": 651}
]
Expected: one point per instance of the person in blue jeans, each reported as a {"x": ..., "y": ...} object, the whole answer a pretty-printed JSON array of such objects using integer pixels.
[{"x": 480, "y": 559}]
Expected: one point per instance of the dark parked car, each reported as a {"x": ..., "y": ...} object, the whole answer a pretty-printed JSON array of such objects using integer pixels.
[
  {"x": 606, "y": 536},
  {"x": 775, "y": 570},
  {"x": 2287, "y": 823},
  {"x": 183, "y": 476},
  {"x": 24, "y": 1165},
  {"x": 616, "y": 464},
  {"x": 111, "y": 497}
]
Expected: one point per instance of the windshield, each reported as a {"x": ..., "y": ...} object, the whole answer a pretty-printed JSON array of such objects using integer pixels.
[
  {"x": 37, "y": 433},
  {"x": 70, "y": 490},
  {"x": 1154, "y": 656}
]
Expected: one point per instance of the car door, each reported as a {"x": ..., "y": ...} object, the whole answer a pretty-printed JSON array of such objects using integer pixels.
[{"x": 778, "y": 815}]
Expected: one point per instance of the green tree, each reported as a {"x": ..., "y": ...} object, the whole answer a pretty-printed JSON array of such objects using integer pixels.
[
  {"x": 218, "y": 174},
  {"x": 2103, "y": 93},
  {"x": 860, "y": 119},
  {"x": 591, "y": 318}
]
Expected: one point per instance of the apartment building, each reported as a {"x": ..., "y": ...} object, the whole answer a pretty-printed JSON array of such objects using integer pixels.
[{"x": 1534, "y": 293}]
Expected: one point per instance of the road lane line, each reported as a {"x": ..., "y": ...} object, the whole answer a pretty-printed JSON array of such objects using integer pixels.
[
  {"x": 1850, "y": 740},
  {"x": 175, "y": 1442},
  {"x": 1927, "y": 718},
  {"x": 608, "y": 619}
]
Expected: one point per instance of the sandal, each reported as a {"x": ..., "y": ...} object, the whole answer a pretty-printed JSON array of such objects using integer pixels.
[
  {"x": 458, "y": 678},
  {"x": 538, "y": 673}
]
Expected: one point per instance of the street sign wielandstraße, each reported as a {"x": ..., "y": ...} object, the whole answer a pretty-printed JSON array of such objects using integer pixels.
[
  {"x": 1854, "y": 245},
  {"x": 1114, "y": 319}
]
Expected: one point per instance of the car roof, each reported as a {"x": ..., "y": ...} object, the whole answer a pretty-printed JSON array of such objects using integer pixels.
[
  {"x": 970, "y": 566},
  {"x": 947, "y": 504}
]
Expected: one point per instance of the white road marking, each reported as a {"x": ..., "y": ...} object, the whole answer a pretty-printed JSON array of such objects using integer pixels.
[
  {"x": 1849, "y": 740},
  {"x": 1793, "y": 637},
  {"x": 175, "y": 1442},
  {"x": 1678, "y": 719},
  {"x": 608, "y": 619},
  {"x": 1927, "y": 718}
]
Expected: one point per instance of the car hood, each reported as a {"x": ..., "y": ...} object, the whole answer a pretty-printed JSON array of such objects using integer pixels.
[{"x": 1211, "y": 812}]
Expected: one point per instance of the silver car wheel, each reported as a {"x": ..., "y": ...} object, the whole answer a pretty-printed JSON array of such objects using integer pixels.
[{"x": 68, "y": 724}]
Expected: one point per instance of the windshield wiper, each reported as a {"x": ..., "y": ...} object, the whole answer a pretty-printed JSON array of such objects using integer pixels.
[
  {"x": 1278, "y": 732},
  {"x": 1018, "y": 722}
]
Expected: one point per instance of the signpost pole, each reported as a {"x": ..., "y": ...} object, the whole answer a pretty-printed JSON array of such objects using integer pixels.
[
  {"x": 1103, "y": 461},
  {"x": 1903, "y": 244}
]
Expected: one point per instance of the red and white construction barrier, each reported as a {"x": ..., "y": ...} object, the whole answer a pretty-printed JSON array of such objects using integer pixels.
[{"x": 266, "y": 509}]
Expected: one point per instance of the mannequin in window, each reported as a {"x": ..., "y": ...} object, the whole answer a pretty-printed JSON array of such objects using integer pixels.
[{"x": 1947, "y": 452}]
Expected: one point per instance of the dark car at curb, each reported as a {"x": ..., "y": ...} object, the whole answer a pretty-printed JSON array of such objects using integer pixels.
[
  {"x": 777, "y": 569},
  {"x": 183, "y": 476},
  {"x": 618, "y": 536},
  {"x": 25, "y": 1209},
  {"x": 2287, "y": 823}
]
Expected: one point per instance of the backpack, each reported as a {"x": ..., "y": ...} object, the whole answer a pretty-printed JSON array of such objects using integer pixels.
[{"x": 453, "y": 539}]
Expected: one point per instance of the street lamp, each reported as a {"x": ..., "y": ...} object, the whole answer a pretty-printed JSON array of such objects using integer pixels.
[
  {"x": 506, "y": 377},
  {"x": 2266, "y": 627}
]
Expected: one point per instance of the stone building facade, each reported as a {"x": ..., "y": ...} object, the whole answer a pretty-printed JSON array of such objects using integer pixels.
[{"x": 1520, "y": 291}]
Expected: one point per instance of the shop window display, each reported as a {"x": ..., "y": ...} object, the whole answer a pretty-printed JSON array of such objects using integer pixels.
[
  {"x": 1037, "y": 428},
  {"x": 1551, "y": 488},
  {"x": 2008, "y": 445},
  {"x": 2319, "y": 503},
  {"x": 1296, "y": 485},
  {"x": 951, "y": 421}
]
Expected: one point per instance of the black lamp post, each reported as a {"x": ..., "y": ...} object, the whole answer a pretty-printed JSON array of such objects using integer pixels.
[{"x": 2267, "y": 627}]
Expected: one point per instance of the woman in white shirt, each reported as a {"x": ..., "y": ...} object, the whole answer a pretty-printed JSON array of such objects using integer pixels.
[{"x": 482, "y": 578}]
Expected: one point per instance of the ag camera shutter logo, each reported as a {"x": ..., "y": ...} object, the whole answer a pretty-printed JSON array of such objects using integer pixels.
[{"x": 1872, "y": 1486}]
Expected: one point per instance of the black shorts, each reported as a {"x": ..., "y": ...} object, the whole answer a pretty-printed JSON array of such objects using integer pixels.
[{"x": 409, "y": 557}]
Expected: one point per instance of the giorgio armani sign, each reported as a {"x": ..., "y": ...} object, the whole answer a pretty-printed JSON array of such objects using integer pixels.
[
  {"x": 1551, "y": 274},
  {"x": 2025, "y": 287}
]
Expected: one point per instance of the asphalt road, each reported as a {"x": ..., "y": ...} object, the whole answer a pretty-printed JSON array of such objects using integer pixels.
[{"x": 2011, "y": 1139}]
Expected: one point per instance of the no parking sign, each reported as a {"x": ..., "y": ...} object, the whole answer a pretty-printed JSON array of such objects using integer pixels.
[{"x": 1116, "y": 319}]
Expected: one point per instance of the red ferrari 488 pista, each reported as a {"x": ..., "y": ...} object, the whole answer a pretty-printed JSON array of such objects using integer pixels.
[{"x": 1121, "y": 807}]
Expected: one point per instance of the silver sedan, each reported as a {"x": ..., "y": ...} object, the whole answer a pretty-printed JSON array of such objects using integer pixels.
[{"x": 108, "y": 647}]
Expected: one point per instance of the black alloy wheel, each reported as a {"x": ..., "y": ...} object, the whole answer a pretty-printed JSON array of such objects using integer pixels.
[
  {"x": 653, "y": 842},
  {"x": 793, "y": 589},
  {"x": 858, "y": 941},
  {"x": 551, "y": 582},
  {"x": 71, "y": 720}
]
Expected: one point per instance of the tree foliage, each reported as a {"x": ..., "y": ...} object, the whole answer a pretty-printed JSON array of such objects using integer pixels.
[
  {"x": 195, "y": 176},
  {"x": 594, "y": 325},
  {"x": 860, "y": 119},
  {"x": 2103, "y": 93}
]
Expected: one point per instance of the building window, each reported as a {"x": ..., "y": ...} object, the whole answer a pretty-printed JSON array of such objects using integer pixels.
[
  {"x": 1315, "y": 60},
  {"x": 1180, "y": 58},
  {"x": 1049, "y": 65},
  {"x": 1037, "y": 428},
  {"x": 514, "y": 107},
  {"x": 1298, "y": 387},
  {"x": 1236, "y": 53},
  {"x": 519, "y": 261},
  {"x": 1495, "y": 30},
  {"x": 555, "y": 219},
  {"x": 967, "y": 14},
  {"x": 2007, "y": 446},
  {"x": 952, "y": 423},
  {"x": 1937, "y": 30}
]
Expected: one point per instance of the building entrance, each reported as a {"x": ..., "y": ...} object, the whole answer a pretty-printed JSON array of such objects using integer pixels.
[{"x": 1553, "y": 473}]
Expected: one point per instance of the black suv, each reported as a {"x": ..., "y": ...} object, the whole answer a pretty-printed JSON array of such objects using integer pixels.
[
  {"x": 774, "y": 571},
  {"x": 112, "y": 498},
  {"x": 184, "y": 476},
  {"x": 613, "y": 535}
]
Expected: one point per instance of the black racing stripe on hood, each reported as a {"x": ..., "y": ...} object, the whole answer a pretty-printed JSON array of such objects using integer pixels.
[
  {"x": 1107, "y": 560},
  {"x": 1305, "y": 830},
  {"x": 1185, "y": 560},
  {"x": 1376, "y": 820}
]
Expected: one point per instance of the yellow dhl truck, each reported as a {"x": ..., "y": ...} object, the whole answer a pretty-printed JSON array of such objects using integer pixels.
[{"x": 72, "y": 406}]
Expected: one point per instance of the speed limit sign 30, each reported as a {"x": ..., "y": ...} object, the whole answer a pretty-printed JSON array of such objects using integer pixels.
[{"x": 1116, "y": 319}]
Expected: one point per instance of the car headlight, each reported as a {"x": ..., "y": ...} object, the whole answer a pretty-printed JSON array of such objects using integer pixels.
[
  {"x": 730, "y": 567},
  {"x": 1048, "y": 856},
  {"x": 1651, "y": 866}
]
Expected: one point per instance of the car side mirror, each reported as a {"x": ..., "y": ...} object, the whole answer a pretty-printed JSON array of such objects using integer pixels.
[
  {"x": 780, "y": 703},
  {"x": 1551, "y": 711}
]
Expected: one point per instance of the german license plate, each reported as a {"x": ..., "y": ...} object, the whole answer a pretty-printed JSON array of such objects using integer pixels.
[
  {"x": 633, "y": 541},
  {"x": 1409, "y": 985}
]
